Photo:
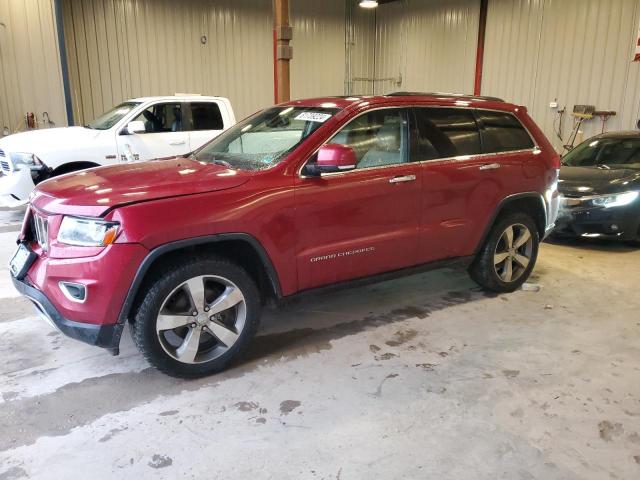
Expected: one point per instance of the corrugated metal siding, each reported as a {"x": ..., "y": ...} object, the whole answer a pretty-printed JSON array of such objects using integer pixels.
[
  {"x": 575, "y": 51},
  {"x": 360, "y": 48},
  {"x": 120, "y": 49},
  {"x": 390, "y": 65},
  {"x": 630, "y": 117},
  {"x": 430, "y": 44},
  {"x": 511, "y": 72},
  {"x": 30, "y": 75},
  {"x": 318, "y": 65}
]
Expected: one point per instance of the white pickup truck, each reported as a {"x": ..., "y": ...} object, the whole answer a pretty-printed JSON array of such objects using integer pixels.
[{"x": 138, "y": 129}]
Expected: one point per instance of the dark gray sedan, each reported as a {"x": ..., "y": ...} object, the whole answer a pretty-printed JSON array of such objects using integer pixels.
[{"x": 600, "y": 188}]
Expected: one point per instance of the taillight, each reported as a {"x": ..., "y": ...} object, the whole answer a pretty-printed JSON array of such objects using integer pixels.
[{"x": 552, "y": 190}]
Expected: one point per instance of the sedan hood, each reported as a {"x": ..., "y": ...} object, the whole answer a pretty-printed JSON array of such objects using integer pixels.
[
  {"x": 92, "y": 192},
  {"x": 48, "y": 139},
  {"x": 580, "y": 181}
]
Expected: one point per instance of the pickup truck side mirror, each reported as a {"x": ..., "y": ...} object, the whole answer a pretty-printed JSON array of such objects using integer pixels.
[
  {"x": 332, "y": 158},
  {"x": 134, "y": 127}
]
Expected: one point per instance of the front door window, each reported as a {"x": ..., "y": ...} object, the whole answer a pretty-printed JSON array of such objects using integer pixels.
[
  {"x": 164, "y": 136},
  {"x": 161, "y": 118},
  {"x": 378, "y": 138}
]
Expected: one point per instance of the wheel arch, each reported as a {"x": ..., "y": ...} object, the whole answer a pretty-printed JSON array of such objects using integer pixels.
[
  {"x": 528, "y": 202},
  {"x": 241, "y": 248},
  {"x": 72, "y": 167}
]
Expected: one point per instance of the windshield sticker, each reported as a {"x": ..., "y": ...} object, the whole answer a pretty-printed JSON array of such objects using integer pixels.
[{"x": 314, "y": 117}]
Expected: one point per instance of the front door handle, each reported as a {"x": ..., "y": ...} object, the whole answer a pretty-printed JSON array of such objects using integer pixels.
[
  {"x": 489, "y": 166},
  {"x": 404, "y": 178},
  {"x": 177, "y": 142}
]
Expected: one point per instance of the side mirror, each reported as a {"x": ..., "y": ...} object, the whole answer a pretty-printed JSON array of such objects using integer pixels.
[
  {"x": 136, "y": 126},
  {"x": 333, "y": 158}
]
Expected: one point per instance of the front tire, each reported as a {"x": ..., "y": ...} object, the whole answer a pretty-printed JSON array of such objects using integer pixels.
[
  {"x": 197, "y": 318},
  {"x": 508, "y": 255}
]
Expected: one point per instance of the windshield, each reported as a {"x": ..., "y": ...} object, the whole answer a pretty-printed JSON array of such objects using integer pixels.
[
  {"x": 264, "y": 139},
  {"x": 605, "y": 153},
  {"x": 113, "y": 116}
]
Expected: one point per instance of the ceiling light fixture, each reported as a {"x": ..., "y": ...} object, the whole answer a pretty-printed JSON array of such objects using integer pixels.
[{"x": 368, "y": 3}]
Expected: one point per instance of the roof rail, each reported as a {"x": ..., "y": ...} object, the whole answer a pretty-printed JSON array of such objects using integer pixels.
[{"x": 443, "y": 94}]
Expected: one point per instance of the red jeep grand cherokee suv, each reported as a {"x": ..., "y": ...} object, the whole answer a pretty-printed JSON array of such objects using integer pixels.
[{"x": 302, "y": 195}]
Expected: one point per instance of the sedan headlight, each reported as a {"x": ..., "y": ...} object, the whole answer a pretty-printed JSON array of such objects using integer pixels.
[
  {"x": 25, "y": 160},
  {"x": 615, "y": 200},
  {"x": 87, "y": 232}
]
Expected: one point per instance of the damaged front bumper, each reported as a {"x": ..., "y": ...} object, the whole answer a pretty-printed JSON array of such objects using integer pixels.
[{"x": 105, "y": 336}]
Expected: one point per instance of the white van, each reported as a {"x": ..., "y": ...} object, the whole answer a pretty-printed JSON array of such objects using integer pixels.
[{"x": 138, "y": 129}]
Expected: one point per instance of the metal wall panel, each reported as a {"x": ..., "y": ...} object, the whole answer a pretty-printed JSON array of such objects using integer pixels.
[
  {"x": 360, "y": 50},
  {"x": 390, "y": 48},
  {"x": 120, "y": 49},
  {"x": 30, "y": 75},
  {"x": 630, "y": 117},
  {"x": 512, "y": 49},
  {"x": 429, "y": 44},
  {"x": 575, "y": 51},
  {"x": 318, "y": 65}
]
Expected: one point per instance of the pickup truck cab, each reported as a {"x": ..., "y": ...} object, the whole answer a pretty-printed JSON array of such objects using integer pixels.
[
  {"x": 138, "y": 129},
  {"x": 302, "y": 196}
]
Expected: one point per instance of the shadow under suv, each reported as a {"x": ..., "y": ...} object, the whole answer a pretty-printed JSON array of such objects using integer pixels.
[{"x": 301, "y": 196}]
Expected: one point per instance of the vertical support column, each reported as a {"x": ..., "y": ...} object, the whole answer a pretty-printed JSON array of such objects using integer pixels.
[
  {"x": 482, "y": 28},
  {"x": 282, "y": 51},
  {"x": 64, "y": 66}
]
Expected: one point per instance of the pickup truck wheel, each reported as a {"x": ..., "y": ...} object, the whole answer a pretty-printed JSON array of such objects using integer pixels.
[
  {"x": 509, "y": 254},
  {"x": 197, "y": 318}
]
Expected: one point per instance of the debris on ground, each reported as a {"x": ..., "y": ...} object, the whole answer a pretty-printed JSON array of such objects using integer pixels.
[{"x": 531, "y": 287}]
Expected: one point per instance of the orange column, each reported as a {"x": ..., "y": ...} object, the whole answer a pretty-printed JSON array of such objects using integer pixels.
[
  {"x": 482, "y": 28},
  {"x": 282, "y": 51}
]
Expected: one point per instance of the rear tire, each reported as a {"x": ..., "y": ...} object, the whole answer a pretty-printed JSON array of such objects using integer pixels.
[
  {"x": 508, "y": 255},
  {"x": 197, "y": 318}
]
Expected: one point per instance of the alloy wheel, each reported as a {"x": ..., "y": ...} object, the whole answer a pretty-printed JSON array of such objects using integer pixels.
[
  {"x": 513, "y": 253},
  {"x": 201, "y": 319}
]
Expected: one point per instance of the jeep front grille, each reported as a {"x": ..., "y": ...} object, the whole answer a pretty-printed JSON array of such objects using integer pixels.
[
  {"x": 41, "y": 227},
  {"x": 1, "y": 153}
]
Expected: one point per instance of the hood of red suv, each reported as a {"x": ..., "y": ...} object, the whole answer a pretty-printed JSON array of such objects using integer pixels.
[{"x": 94, "y": 191}]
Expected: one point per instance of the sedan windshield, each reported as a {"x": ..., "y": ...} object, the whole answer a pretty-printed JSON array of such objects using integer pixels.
[
  {"x": 605, "y": 153},
  {"x": 263, "y": 140},
  {"x": 113, "y": 116}
]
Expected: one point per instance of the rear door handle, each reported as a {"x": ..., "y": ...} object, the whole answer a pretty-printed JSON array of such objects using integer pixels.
[
  {"x": 177, "y": 142},
  {"x": 405, "y": 178},
  {"x": 489, "y": 166}
]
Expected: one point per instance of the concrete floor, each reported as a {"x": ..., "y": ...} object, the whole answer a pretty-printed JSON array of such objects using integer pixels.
[{"x": 423, "y": 377}]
